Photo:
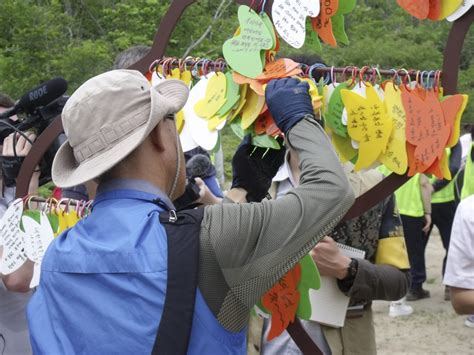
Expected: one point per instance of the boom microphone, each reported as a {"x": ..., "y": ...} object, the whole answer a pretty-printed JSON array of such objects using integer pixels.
[{"x": 39, "y": 96}]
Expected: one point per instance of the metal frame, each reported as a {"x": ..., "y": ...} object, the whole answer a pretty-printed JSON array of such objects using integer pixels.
[{"x": 452, "y": 57}]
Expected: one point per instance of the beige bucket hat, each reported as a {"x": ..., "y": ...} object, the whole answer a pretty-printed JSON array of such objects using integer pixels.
[{"x": 107, "y": 118}]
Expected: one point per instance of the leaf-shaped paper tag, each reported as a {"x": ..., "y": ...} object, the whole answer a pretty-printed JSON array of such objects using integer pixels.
[
  {"x": 215, "y": 96},
  {"x": 13, "y": 239},
  {"x": 417, "y": 8},
  {"x": 289, "y": 18},
  {"x": 322, "y": 24},
  {"x": 243, "y": 52},
  {"x": 368, "y": 124},
  {"x": 395, "y": 158},
  {"x": 282, "y": 301},
  {"x": 310, "y": 279}
]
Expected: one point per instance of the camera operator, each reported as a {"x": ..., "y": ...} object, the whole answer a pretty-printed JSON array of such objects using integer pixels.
[{"x": 14, "y": 288}]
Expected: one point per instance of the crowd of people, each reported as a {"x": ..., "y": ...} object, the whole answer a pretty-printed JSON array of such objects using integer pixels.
[{"x": 168, "y": 263}]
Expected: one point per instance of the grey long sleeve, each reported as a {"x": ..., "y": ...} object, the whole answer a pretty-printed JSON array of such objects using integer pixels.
[
  {"x": 246, "y": 248},
  {"x": 378, "y": 282}
]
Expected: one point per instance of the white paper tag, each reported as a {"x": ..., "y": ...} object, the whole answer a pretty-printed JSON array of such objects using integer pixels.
[
  {"x": 14, "y": 255},
  {"x": 38, "y": 236},
  {"x": 289, "y": 18},
  {"x": 197, "y": 126},
  {"x": 466, "y": 5}
]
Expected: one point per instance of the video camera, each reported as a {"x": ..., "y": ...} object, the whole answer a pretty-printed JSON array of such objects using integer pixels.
[{"x": 35, "y": 111}]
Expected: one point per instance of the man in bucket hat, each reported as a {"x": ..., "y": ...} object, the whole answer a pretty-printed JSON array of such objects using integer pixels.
[{"x": 121, "y": 280}]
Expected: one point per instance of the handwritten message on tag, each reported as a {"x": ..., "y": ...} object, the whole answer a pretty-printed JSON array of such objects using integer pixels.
[
  {"x": 14, "y": 255},
  {"x": 368, "y": 124},
  {"x": 322, "y": 24},
  {"x": 426, "y": 128},
  {"x": 243, "y": 52},
  {"x": 38, "y": 236},
  {"x": 395, "y": 158},
  {"x": 282, "y": 301},
  {"x": 289, "y": 18}
]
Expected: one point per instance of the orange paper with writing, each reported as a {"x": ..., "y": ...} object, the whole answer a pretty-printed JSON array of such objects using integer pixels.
[
  {"x": 282, "y": 301},
  {"x": 429, "y": 126},
  {"x": 322, "y": 24}
]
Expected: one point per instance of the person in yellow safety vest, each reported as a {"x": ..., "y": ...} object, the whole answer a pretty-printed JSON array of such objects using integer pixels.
[
  {"x": 465, "y": 182},
  {"x": 443, "y": 204},
  {"x": 414, "y": 204}
]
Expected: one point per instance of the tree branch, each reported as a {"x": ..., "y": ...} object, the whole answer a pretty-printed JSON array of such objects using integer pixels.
[{"x": 221, "y": 9}]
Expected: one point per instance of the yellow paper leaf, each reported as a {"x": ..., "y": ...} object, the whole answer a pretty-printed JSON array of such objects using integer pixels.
[
  {"x": 252, "y": 108},
  {"x": 180, "y": 121},
  {"x": 395, "y": 157},
  {"x": 368, "y": 124},
  {"x": 457, "y": 123},
  {"x": 241, "y": 104},
  {"x": 71, "y": 218},
  {"x": 215, "y": 97},
  {"x": 175, "y": 74},
  {"x": 444, "y": 166},
  {"x": 343, "y": 146},
  {"x": 62, "y": 223},
  {"x": 186, "y": 77}
]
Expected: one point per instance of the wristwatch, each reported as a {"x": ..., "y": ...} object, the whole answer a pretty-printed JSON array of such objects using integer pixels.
[
  {"x": 352, "y": 269},
  {"x": 346, "y": 283}
]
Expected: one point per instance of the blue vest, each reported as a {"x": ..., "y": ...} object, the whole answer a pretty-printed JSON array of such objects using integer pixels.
[{"x": 103, "y": 286}]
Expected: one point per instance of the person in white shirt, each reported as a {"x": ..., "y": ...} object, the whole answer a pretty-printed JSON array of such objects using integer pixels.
[{"x": 460, "y": 265}]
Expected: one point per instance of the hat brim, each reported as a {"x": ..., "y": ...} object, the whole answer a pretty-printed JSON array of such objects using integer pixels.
[{"x": 168, "y": 97}]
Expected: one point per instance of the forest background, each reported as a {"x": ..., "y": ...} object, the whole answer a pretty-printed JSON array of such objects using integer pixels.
[{"x": 77, "y": 39}]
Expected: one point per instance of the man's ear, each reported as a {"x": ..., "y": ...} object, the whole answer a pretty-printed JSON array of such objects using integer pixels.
[{"x": 157, "y": 136}]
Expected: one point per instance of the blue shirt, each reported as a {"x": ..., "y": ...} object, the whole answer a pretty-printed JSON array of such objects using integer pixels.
[{"x": 103, "y": 282}]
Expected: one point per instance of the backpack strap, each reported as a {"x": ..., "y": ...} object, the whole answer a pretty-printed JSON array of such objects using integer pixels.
[{"x": 182, "y": 230}]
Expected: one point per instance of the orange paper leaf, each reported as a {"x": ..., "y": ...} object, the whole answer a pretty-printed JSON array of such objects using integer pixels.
[
  {"x": 322, "y": 24},
  {"x": 282, "y": 301},
  {"x": 427, "y": 129},
  {"x": 416, "y": 8}
]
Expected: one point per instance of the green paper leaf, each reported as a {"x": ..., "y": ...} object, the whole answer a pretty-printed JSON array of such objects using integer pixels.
[
  {"x": 265, "y": 141},
  {"x": 268, "y": 22},
  {"x": 338, "y": 22},
  {"x": 33, "y": 214},
  {"x": 244, "y": 52},
  {"x": 310, "y": 279},
  {"x": 312, "y": 39},
  {"x": 335, "y": 109},
  {"x": 54, "y": 221},
  {"x": 232, "y": 95},
  {"x": 339, "y": 30},
  {"x": 236, "y": 127}
]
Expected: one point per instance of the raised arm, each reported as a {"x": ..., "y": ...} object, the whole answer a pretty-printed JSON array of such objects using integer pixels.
[{"x": 246, "y": 248}]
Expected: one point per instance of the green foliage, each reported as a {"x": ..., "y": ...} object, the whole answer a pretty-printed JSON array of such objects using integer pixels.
[{"x": 40, "y": 39}]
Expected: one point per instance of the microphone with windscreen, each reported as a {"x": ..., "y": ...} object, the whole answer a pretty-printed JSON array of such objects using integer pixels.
[{"x": 40, "y": 96}]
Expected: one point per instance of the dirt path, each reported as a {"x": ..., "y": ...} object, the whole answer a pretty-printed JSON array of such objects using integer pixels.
[{"x": 433, "y": 328}]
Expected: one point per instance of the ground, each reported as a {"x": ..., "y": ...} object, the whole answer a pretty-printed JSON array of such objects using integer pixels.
[{"x": 433, "y": 328}]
